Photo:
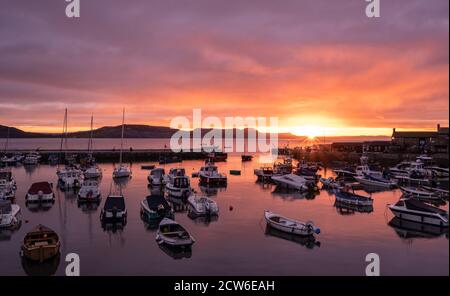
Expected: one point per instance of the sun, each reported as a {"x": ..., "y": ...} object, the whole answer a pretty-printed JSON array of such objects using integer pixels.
[{"x": 310, "y": 131}]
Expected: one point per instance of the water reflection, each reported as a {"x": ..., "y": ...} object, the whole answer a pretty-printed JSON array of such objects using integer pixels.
[
  {"x": 176, "y": 253},
  {"x": 291, "y": 195},
  {"x": 211, "y": 190},
  {"x": 7, "y": 233},
  {"x": 39, "y": 206},
  {"x": 346, "y": 209},
  {"x": 309, "y": 242},
  {"x": 46, "y": 268},
  {"x": 410, "y": 230},
  {"x": 202, "y": 220}
]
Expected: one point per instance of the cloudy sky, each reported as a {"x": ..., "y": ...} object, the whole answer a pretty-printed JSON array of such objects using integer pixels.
[{"x": 320, "y": 64}]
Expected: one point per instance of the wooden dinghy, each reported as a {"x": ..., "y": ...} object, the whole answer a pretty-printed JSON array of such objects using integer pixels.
[{"x": 40, "y": 244}]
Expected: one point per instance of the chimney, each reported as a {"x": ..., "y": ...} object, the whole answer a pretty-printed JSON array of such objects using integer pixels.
[{"x": 438, "y": 126}]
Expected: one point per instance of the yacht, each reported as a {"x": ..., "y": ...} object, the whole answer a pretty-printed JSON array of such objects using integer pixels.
[
  {"x": 92, "y": 172},
  {"x": 40, "y": 192},
  {"x": 70, "y": 177},
  {"x": 122, "y": 171},
  {"x": 31, "y": 158},
  {"x": 89, "y": 191},
  {"x": 417, "y": 211}
]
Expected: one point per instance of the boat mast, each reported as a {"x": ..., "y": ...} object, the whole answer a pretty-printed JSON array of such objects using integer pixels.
[
  {"x": 90, "y": 135},
  {"x": 121, "y": 140},
  {"x": 64, "y": 131}
]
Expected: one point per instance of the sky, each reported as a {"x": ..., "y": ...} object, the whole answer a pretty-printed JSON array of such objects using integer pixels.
[{"x": 320, "y": 66}]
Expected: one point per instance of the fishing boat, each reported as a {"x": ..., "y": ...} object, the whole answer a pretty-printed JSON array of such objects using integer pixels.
[
  {"x": 155, "y": 207},
  {"x": 246, "y": 157},
  {"x": 293, "y": 181},
  {"x": 122, "y": 171},
  {"x": 178, "y": 186},
  {"x": 417, "y": 211},
  {"x": 70, "y": 177},
  {"x": 40, "y": 192},
  {"x": 40, "y": 244},
  {"x": 202, "y": 205},
  {"x": 373, "y": 180},
  {"x": 93, "y": 172},
  {"x": 209, "y": 174},
  {"x": 156, "y": 177},
  {"x": 289, "y": 225},
  {"x": 419, "y": 193},
  {"x": 283, "y": 168},
  {"x": 9, "y": 214},
  {"x": 346, "y": 197},
  {"x": 173, "y": 234},
  {"x": 114, "y": 209},
  {"x": 89, "y": 191}
]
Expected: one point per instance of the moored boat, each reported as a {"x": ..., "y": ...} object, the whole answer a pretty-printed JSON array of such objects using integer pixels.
[
  {"x": 40, "y": 192},
  {"x": 156, "y": 177},
  {"x": 9, "y": 214},
  {"x": 173, "y": 234},
  {"x": 89, "y": 191},
  {"x": 114, "y": 209},
  {"x": 350, "y": 198},
  {"x": 373, "y": 180},
  {"x": 40, "y": 244},
  {"x": 155, "y": 207},
  {"x": 209, "y": 174},
  {"x": 417, "y": 211},
  {"x": 419, "y": 193},
  {"x": 246, "y": 157},
  {"x": 202, "y": 205},
  {"x": 293, "y": 181},
  {"x": 289, "y": 225}
]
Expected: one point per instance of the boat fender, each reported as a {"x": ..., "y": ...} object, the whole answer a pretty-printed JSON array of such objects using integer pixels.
[{"x": 317, "y": 230}]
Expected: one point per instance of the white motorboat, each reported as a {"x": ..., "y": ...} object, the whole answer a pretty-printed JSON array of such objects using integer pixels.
[
  {"x": 289, "y": 225},
  {"x": 444, "y": 193},
  {"x": 89, "y": 191},
  {"x": 40, "y": 192},
  {"x": 9, "y": 214},
  {"x": 420, "y": 193},
  {"x": 173, "y": 234},
  {"x": 377, "y": 181},
  {"x": 114, "y": 209},
  {"x": 179, "y": 186},
  {"x": 70, "y": 177},
  {"x": 292, "y": 181},
  {"x": 156, "y": 177},
  {"x": 202, "y": 205},
  {"x": 417, "y": 211},
  {"x": 31, "y": 158},
  {"x": 209, "y": 174},
  {"x": 350, "y": 198},
  {"x": 93, "y": 172},
  {"x": 122, "y": 171},
  {"x": 174, "y": 172}
]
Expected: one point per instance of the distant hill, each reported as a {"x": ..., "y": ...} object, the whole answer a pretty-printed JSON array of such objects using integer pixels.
[{"x": 148, "y": 131}]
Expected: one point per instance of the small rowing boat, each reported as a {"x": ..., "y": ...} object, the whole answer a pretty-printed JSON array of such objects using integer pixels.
[{"x": 289, "y": 225}]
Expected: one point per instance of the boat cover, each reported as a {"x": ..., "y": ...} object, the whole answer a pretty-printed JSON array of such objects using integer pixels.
[
  {"x": 414, "y": 204},
  {"x": 154, "y": 201},
  {"x": 117, "y": 202},
  {"x": 5, "y": 206},
  {"x": 45, "y": 187}
]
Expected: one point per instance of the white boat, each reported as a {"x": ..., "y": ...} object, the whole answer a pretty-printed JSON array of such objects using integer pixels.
[
  {"x": 173, "y": 234},
  {"x": 209, "y": 174},
  {"x": 350, "y": 198},
  {"x": 202, "y": 205},
  {"x": 122, "y": 171},
  {"x": 93, "y": 172},
  {"x": 156, "y": 177},
  {"x": 377, "y": 181},
  {"x": 40, "y": 192},
  {"x": 419, "y": 193},
  {"x": 9, "y": 214},
  {"x": 89, "y": 191},
  {"x": 289, "y": 225},
  {"x": 31, "y": 158},
  {"x": 292, "y": 181},
  {"x": 114, "y": 209},
  {"x": 179, "y": 186},
  {"x": 70, "y": 177},
  {"x": 444, "y": 193},
  {"x": 330, "y": 182},
  {"x": 417, "y": 211}
]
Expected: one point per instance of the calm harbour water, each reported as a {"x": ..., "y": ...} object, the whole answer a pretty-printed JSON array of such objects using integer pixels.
[{"x": 236, "y": 243}]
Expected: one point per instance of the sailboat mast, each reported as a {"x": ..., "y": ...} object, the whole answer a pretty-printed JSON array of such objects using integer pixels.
[
  {"x": 121, "y": 140},
  {"x": 91, "y": 134},
  {"x": 63, "y": 136}
]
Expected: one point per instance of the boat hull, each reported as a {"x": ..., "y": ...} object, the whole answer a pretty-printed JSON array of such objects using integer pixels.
[
  {"x": 41, "y": 253},
  {"x": 416, "y": 216}
]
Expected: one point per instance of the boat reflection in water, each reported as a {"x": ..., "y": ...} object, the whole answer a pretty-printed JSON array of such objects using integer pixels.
[
  {"x": 211, "y": 190},
  {"x": 291, "y": 195},
  {"x": 7, "y": 233},
  {"x": 309, "y": 241},
  {"x": 347, "y": 209},
  {"x": 178, "y": 205},
  {"x": 203, "y": 219},
  {"x": 39, "y": 206},
  {"x": 113, "y": 226},
  {"x": 176, "y": 253},
  {"x": 45, "y": 268},
  {"x": 88, "y": 206},
  {"x": 408, "y": 229}
]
